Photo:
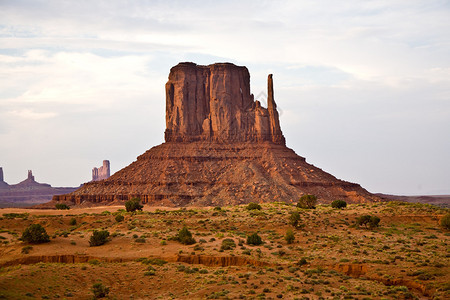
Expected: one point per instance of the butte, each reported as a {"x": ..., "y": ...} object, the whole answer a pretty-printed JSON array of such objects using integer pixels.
[{"x": 221, "y": 148}]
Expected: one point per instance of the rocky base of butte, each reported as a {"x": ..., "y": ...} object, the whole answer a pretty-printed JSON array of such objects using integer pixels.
[{"x": 222, "y": 148}]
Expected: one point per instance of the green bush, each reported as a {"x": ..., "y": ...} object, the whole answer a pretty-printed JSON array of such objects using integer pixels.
[
  {"x": 61, "y": 206},
  {"x": 294, "y": 219},
  {"x": 307, "y": 201},
  {"x": 338, "y": 204},
  {"x": 133, "y": 204},
  {"x": 35, "y": 234},
  {"x": 119, "y": 218},
  {"x": 98, "y": 238},
  {"x": 302, "y": 262},
  {"x": 152, "y": 261},
  {"x": 184, "y": 236},
  {"x": 254, "y": 239},
  {"x": 289, "y": 237},
  {"x": 27, "y": 249},
  {"x": 228, "y": 244},
  {"x": 368, "y": 221},
  {"x": 73, "y": 222},
  {"x": 374, "y": 221},
  {"x": 99, "y": 290},
  {"x": 252, "y": 206},
  {"x": 445, "y": 221}
]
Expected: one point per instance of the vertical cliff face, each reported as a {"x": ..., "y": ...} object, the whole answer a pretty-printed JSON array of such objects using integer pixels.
[{"x": 214, "y": 103}]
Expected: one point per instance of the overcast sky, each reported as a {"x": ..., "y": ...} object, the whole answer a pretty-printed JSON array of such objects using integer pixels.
[{"x": 363, "y": 87}]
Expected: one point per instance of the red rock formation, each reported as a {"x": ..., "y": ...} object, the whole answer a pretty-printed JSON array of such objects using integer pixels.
[
  {"x": 101, "y": 173},
  {"x": 213, "y": 103},
  {"x": 221, "y": 148},
  {"x": 221, "y": 261}
]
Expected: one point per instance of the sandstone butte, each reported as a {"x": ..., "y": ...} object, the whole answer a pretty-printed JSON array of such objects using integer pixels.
[{"x": 221, "y": 148}]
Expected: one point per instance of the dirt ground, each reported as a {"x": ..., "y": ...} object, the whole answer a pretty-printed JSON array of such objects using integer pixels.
[{"x": 405, "y": 257}]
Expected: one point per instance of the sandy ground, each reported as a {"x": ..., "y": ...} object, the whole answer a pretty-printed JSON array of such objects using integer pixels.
[{"x": 407, "y": 256}]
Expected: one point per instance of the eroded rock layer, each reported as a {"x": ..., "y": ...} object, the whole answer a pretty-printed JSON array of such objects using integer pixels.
[
  {"x": 222, "y": 147},
  {"x": 204, "y": 173}
]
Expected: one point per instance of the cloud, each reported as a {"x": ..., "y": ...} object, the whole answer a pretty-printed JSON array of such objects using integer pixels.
[
  {"x": 32, "y": 115},
  {"x": 347, "y": 74}
]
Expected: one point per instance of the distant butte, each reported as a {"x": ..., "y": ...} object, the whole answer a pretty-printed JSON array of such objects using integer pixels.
[
  {"x": 221, "y": 148},
  {"x": 101, "y": 173},
  {"x": 28, "y": 192}
]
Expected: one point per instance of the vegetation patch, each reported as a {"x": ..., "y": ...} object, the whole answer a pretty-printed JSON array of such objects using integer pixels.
[
  {"x": 62, "y": 206},
  {"x": 307, "y": 202},
  {"x": 35, "y": 234},
  {"x": 133, "y": 205},
  {"x": 98, "y": 238}
]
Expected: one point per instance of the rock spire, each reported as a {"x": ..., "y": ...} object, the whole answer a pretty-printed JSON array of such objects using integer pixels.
[{"x": 102, "y": 172}]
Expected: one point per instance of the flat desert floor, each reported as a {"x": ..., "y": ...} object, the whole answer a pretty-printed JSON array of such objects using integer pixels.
[{"x": 406, "y": 257}]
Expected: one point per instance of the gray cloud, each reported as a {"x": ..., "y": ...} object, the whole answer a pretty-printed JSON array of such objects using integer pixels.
[{"x": 363, "y": 84}]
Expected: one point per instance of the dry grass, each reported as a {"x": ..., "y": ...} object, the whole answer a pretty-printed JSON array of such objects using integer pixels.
[{"x": 407, "y": 256}]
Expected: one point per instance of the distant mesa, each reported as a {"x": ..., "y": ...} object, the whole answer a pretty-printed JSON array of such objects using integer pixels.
[
  {"x": 28, "y": 192},
  {"x": 101, "y": 173},
  {"x": 221, "y": 148}
]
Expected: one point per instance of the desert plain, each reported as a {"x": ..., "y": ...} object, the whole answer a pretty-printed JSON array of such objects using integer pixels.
[{"x": 331, "y": 257}]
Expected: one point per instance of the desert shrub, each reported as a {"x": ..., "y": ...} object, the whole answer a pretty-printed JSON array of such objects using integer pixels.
[
  {"x": 184, "y": 236},
  {"x": 445, "y": 221},
  {"x": 254, "y": 239},
  {"x": 27, "y": 249},
  {"x": 35, "y": 234},
  {"x": 228, "y": 244},
  {"x": 152, "y": 261},
  {"x": 98, "y": 238},
  {"x": 374, "y": 221},
  {"x": 289, "y": 237},
  {"x": 119, "y": 218},
  {"x": 307, "y": 201},
  {"x": 338, "y": 204},
  {"x": 252, "y": 206},
  {"x": 15, "y": 215},
  {"x": 363, "y": 220},
  {"x": 150, "y": 271},
  {"x": 94, "y": 262},
  {"x": 302, "y": 262},
  {"x": 218, "y": 208},
  {"x": 294, "y": 219},
  {"x": 368, "y": 221},
  {"x": 61, "y": 206},
  {"x": 133, "y": 204},
  {"x": 99, "y": 290},
  {"x": 73, "y": 222}
]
